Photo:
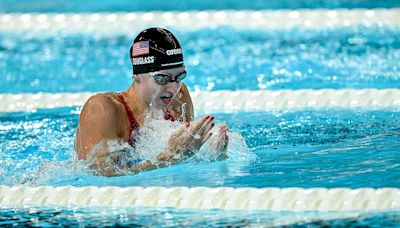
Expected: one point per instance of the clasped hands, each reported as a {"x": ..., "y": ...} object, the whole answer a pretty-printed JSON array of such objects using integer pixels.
[{"x": 189, "y": 138}]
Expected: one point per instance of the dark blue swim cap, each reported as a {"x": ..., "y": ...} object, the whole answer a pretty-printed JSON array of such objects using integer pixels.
[{"x": 155, "y": 49}]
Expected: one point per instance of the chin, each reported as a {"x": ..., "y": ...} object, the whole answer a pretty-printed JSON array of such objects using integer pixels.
[{"x": 160, "y": 105}]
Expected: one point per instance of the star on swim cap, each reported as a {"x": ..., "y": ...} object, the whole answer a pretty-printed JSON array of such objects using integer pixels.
[{"x": 155, "y": 49}]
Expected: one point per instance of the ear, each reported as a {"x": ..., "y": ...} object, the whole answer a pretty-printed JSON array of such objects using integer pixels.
[{"x": 136, "y": 78}]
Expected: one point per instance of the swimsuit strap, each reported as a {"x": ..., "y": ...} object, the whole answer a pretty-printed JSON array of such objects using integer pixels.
[{"x": 134, "y": 124}]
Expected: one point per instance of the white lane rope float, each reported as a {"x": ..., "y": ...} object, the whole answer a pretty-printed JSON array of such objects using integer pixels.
[
  {"x": 275, "y": 199},
  {"x": 230, "y": 101},
  {"x": 127, "y": 22}
]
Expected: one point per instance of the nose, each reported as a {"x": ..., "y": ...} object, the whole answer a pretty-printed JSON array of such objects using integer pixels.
[{"x": 173, "y": 87}]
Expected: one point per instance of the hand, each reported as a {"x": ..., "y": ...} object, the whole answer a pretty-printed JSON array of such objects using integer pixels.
[
  {"x": 187, "y": 140},
  {"x": 221, "y": 145}
]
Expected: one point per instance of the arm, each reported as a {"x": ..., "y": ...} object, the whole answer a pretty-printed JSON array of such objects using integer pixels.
[
  {"x": 110, "y": 160},
  {"x": 97, "y": 122},
  {"x": 99, "y": 140},
  {"x": 181, "y": 146}
]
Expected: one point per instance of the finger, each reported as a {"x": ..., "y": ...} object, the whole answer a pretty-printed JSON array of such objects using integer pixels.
[
  {"x": 207, "y": 129},
  {"x": 206, "y": 138},
  {"x": 224, "y": 126},
  {"x": 221, "y": 129},
  {"x": 195, "y": 128},
  {"x": 226, "y": 141},
  {"x": 199, "y": 129},
  {"x": 207, "y": 124},
  {"x": 222, "y": 140},
  {"x": 225, "y": 146},
  {"x": 222, "y": 133},
  {"x": 222, "y": 146}
]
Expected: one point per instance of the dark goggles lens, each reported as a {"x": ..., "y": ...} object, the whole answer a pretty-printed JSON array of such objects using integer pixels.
[{"x": 164, "y": 78}]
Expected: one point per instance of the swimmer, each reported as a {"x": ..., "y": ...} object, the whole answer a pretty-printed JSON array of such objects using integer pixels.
[{"x": 158, "y": 72}]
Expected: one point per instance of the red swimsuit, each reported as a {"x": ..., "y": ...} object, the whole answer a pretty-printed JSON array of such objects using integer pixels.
[{"x": 134, "y": 127}]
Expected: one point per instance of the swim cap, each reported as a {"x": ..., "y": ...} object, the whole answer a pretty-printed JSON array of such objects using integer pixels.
[{"x": 155, "y": 49}]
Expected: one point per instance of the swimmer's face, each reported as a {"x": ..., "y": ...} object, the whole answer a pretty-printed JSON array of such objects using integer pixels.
[{"x": 160, "y": 96}]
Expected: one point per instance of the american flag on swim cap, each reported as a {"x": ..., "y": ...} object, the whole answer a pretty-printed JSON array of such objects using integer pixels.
[{"x": 140, "y": 48}]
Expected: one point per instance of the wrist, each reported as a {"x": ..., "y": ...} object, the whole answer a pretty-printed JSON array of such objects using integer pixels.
[
  {"x": 167, "y": 158},
  {"x": 164, "y": 156}
]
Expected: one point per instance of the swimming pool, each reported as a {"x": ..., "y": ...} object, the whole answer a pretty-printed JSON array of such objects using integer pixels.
[
  {"x": 356, "y": 57},
  {"x": 44, "y": 6},
  {"x": 284, "y": 150},
  {"x": 319, "y": 144}
]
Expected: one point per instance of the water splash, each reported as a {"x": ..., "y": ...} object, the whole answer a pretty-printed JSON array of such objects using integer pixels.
[{"x": 152, "y": 139}]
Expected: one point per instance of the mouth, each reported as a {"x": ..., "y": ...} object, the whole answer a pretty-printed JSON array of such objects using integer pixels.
[{"x": 166, "y": 99}]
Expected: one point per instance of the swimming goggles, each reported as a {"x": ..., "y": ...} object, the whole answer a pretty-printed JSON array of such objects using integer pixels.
[{"x": 163, "y": 78}]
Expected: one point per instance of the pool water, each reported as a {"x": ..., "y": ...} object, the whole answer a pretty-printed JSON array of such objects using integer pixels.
[
  {"x": 173, "y": 5},
  {"x": 169, "y": 217},
  {"x": 223, "y": 58},
  {"x": 305, "y": 148}
]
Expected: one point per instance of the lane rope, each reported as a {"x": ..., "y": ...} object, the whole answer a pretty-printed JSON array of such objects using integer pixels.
[
  {"x": 276, "y": 199},
  {"x": 129, "y": 23},
  {"x": 230, "y": 101}
]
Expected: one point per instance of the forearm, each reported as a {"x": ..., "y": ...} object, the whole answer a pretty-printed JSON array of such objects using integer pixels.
[
  {"x": 121, "y": 160},
  {"x": 147, "y": 165},
  {"x": 118, "y": 163},
  {"x": 164, "y": 159}
]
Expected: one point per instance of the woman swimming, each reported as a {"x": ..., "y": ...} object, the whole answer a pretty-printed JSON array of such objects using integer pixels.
[{"x": 158, "y": 71}]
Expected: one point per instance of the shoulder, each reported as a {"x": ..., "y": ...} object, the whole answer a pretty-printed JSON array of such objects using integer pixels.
[
  {"x": 100, "y": 105},
  {"x": 98, "y": 121}
]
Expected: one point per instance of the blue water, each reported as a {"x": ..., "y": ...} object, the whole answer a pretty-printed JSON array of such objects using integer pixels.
[
  {"x": 169, "y": 217},
  {"x": 216, "y": 59},
  {"x": 152, "y": 5},
  {"x": 309, "y": 148}
]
